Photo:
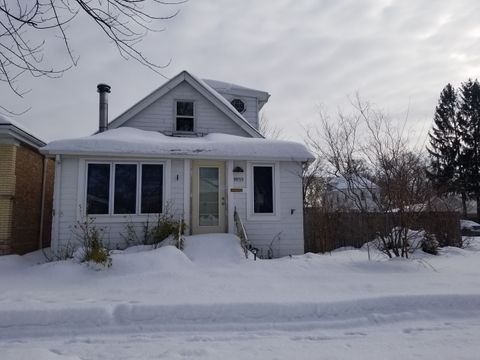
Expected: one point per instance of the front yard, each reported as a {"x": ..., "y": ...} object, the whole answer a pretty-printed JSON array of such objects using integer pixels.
[{"x": 210, "y": 302}]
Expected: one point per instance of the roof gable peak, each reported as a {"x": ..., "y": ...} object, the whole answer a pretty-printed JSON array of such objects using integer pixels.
[{"x": 202, "y": 87}]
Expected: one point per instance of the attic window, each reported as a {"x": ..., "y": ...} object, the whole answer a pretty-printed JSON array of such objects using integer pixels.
[
  {"x": 239, "y": 105},
  {"x": 184, "y": 116}
]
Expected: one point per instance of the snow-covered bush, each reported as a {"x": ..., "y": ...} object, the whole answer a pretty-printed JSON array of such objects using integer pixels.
[
  {"x": 91, "y": 238},
  {"x": 166, "y": 227},
  {"x": 430, "y": 243},
  {"x": 158, "y": 231},
  {"x": 133, "y": 236},
  {"x": 400, "y": 242}
]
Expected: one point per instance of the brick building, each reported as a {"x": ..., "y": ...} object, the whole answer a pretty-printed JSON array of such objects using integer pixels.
[{"x": 26, "y": 190}]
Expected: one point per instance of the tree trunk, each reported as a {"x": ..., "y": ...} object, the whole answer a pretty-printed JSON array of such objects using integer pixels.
[
  {"x": 478, "y": 206},
  {"x": 464, "y": 205}
]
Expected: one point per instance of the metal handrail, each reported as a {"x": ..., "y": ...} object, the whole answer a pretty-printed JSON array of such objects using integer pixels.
[
  {"x": 180, "y": 238},
  {"x": 242, "y": 234}
]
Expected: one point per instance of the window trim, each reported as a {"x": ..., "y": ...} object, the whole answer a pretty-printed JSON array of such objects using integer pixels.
[
  {"x": 242, "y": 100},
  {"x": 251, "y": 214},
  {"x": 175, "y": 116},
  {"x": 111, "y": 216}
]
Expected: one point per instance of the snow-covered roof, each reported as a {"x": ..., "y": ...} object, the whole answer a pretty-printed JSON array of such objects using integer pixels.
[
  {"x": 233, "y": 89},
  {"x": 201, "y": 86},
  {"x": 13, "y": 129},
  {"x": 358, "y": 182},
  {"x": 127, "y": 141},
  {"x": 219, "y": 97},
  {"x": 223, "y": 86}
]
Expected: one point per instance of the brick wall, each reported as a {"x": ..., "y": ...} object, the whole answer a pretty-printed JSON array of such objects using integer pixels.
[
  {"x": 7, "y": 192},
  {"x": 27, "y": 201}
]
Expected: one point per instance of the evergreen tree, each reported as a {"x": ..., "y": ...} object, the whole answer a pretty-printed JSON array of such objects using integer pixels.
[
  {"x": 469, "y": 124},
  {"x": 443, "y": 142}
]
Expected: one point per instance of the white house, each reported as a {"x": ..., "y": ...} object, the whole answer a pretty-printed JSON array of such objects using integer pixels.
[
  {"x": 192, "y": 145},
  {"x": 357, "y": 193}
]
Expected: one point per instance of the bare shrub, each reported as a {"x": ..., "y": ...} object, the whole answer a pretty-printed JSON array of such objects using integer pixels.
[
  {"x": 167, "y": 226},
  {"x": 91, "y": 237},
  {"x": 371, "y": 155}
]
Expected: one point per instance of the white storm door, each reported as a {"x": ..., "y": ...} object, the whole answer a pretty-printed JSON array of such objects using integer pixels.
[{"x": 208, "y": 197}]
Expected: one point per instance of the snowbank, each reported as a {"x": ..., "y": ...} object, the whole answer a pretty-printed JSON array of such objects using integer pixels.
[{"x": 212, "y": 286}]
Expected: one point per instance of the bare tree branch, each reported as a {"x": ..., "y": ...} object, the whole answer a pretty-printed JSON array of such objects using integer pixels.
[
  {"x": 124, "y": 22},
  {"x": 373, "y": 157}
]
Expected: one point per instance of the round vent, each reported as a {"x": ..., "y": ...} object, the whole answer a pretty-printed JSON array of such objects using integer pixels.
[{"x": 239, "y": 105}]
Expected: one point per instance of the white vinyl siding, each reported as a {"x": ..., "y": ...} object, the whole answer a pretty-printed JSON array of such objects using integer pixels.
[
  {"x": 288, "y": 223},
  {"x": 161, "y": 115},
  {"x": 67, "y": 210},
  {"x": 251, "y": 112}
]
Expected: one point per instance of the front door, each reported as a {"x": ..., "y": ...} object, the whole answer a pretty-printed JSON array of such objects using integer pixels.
[{"x": 208, "y": 197}]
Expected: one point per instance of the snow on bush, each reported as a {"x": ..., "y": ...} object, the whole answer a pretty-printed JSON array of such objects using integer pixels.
[{"x": 400, "y": 242}]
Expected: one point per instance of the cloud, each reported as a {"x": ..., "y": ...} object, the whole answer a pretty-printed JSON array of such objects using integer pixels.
[{"x": 397, "y": 54}]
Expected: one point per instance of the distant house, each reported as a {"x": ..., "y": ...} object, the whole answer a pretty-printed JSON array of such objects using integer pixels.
[
  {"x": 356, "y": 193},
  {"x": 192, "y": 146},
  {"x": 26, "y": 188},
  {"x": 453, "y": 203}
]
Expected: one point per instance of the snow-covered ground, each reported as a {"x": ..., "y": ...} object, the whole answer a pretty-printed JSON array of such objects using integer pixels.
[{"x": 209, "y": 302}]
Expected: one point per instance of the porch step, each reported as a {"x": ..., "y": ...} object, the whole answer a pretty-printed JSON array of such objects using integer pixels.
[{"x": 214, "y": 248}]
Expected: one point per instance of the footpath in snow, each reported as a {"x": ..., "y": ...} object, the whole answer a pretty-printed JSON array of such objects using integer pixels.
[{"x": 211, "y": 286}]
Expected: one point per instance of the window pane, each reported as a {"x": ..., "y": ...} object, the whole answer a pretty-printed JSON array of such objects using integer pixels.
[
  {"x": 98, "y": 188},
  {"x": 184, "y": 124},
  {"x": 208, "y": 197},
  {"x": 152, "y": 189},
  {"x": 239, "y": 105},
  {"x": 263, "y": 189},
  {"x": 125, "y": 189},
  {"x": 184, "y": 108}
]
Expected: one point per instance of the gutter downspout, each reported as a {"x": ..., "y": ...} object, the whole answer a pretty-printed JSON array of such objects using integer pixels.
[
  {"x": 56, "y": 204},
  {"x": 42, "y": 203}
]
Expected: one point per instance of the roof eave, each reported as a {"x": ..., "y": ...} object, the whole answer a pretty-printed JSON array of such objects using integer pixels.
[
  {"x": 202, "y": 155},
  {"x": 12, "y": 131}
]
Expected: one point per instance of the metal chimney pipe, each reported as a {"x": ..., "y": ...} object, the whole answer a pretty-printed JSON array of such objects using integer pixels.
[{"x": 103, "y": 90}]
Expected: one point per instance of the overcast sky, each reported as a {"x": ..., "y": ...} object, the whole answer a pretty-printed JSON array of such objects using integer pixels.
[{"x": 396, "y": 54}]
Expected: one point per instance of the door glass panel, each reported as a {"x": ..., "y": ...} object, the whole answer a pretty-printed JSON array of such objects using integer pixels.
[{"x": 208, "y": 196}]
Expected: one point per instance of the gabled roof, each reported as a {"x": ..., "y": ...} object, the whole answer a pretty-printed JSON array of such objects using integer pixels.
[
  {"x": 127, "y": 141},
  {"x": 234, "y": 89},
  {"x": 354, "y": 182},
  {"x": 202, "y": 87},
  {"x": 12, "y": 129}
]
